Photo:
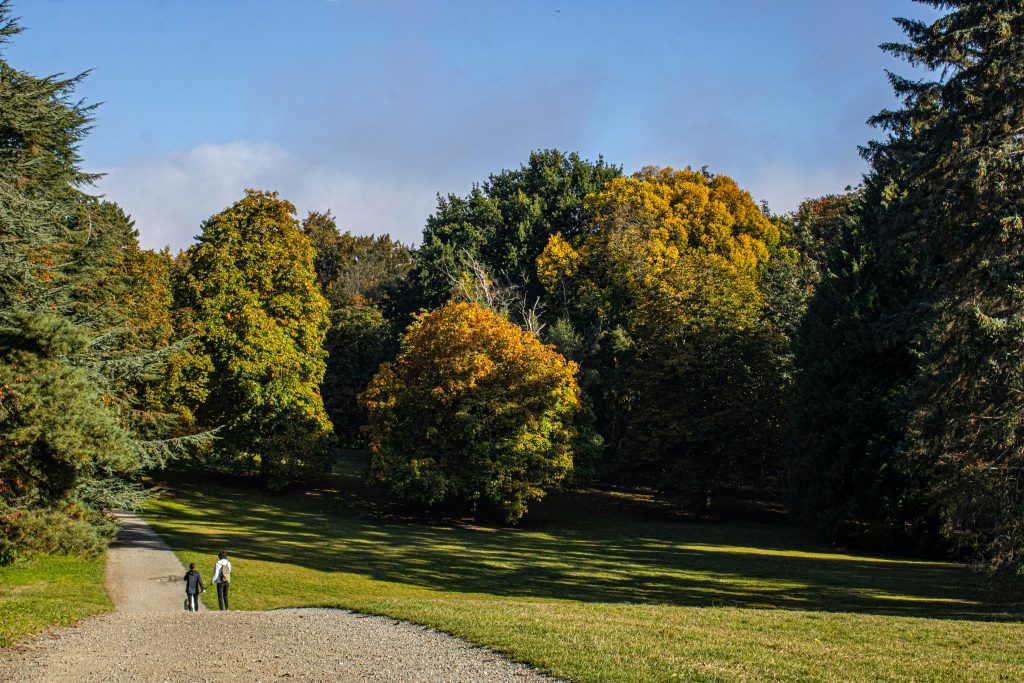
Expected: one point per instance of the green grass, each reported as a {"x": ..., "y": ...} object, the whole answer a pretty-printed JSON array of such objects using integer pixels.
[
  {"x": 607, "y": 589},
  {"x": 49, "y": 590}
]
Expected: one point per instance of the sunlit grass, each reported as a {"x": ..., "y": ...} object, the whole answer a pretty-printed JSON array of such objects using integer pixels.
[
  {"x": 593, "y": 590},
  {"x": 49, "y": 590}
]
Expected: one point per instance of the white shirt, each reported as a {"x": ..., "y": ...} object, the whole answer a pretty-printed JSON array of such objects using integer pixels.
[{"x": 218, "y": 567}]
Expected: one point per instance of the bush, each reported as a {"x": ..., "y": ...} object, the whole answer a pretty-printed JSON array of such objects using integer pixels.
[
  {"x": 68, "y": 531},
  {"x": 474, "y": 411}
]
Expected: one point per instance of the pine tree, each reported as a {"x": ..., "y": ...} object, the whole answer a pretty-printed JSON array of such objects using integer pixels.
[{"x": 958, "y": 141}]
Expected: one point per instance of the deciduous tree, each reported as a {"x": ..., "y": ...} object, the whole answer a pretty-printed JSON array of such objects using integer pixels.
[
  {"x": 247, "y": 295},
  {"x": 474, "y": 411}
]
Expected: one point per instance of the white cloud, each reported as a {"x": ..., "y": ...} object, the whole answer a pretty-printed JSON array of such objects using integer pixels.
[{"x": 170, "y": 195}]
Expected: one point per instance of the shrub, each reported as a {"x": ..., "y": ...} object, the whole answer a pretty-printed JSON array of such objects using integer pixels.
[{"x": 68, "y": 531}]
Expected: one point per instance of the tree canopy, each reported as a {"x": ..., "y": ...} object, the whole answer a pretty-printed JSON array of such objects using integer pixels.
[
  {"x": 474, "y": 410},
  {"x": 247, "y": 296}
]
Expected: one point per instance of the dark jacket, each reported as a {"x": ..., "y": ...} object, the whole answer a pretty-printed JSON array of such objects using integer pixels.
[{"x": 193, "y": 582}]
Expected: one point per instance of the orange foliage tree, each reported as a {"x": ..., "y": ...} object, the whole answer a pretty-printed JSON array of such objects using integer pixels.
[{"x": 474, "y": 411}]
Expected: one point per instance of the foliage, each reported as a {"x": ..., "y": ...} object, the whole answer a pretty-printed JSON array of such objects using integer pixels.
[
  {"x": 247, "y": 295},
  {"x": 911, "y": 365},
  {"x": 360, "y": 339},
  {"x": 71, "y": 353},
  {"x": 366, "y": 282},
  {"x": 505, "y": 223},
  {"x": 956, "y": 145},
  {"x": 474, "y": 410},
  {"x": 848, "y": 476},
  {"x": 360, "y": 270},
  {"x": 666, "y": 287}
]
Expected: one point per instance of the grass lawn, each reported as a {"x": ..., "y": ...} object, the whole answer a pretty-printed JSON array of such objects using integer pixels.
[
  {"x": 606, "y": 590},
  {"x": 49, "y": 590}
]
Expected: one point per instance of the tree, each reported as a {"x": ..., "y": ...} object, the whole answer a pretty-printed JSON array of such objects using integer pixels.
[
  {"x": 247, "y": 295},
  {"x": 361, "y": 269},
  {"x": 365, "y": 280},
  {"x": 474, "y": 411},
  {"x": 359, "y": 340},
  {"x": 69, "y": 447},
  {"x": 666, "y": 286},
  {"x": 848, "y": 476},
  {"x": 505, "y": 223},
  {"x": 956, "y": 146}
]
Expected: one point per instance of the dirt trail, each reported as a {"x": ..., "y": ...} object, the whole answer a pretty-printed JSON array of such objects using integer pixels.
[
  {"x": 143, "y": 575},
  {"x": 151, "y": 638}
]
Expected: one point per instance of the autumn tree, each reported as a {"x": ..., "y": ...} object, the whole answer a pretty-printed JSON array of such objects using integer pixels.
[
  {"x": 667, "y": 289},
  {"x": 247, "y": 294},
  {"x": 475, "y": 411}
]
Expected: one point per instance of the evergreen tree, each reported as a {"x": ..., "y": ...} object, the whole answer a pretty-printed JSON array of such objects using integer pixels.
[
  {"x": 68, "y": 447},
  {"x": 505, "y": 223},
  {"x": 849, "y": 479},
  {"x": 958, "y": 141}
]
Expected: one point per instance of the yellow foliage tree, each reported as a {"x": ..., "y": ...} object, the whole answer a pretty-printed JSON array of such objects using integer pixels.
[{"x": 668, "y": 281}]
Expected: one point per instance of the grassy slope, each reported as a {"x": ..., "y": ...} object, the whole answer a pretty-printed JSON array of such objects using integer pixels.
[
  {"x": 49, "y": 590},
  {"x": 608, "y": 593}
]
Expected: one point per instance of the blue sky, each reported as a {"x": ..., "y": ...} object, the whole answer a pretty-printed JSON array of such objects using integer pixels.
[{"x": 372, "y": 108}]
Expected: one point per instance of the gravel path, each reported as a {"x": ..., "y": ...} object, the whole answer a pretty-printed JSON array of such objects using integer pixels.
[{"x": 151, "y": 638}]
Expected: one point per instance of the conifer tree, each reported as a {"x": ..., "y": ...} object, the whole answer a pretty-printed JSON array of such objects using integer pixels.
[
  {"x": 958, "y": 142},
  {"x": 66, "y": 427}
]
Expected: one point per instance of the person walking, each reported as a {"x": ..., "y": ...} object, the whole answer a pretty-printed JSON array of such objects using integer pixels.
[
  {"x": 222, "y": 577},
  {"x": 193, "y": 587}
]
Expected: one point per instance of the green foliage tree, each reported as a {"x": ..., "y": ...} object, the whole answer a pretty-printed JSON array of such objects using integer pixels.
[
  {"x": 366, "y": 281},
  {"x": 69, "y": 352},
  {"x": 359, "y": 340},
  {"x": 849, "y": 479},
  {"x": 505, "y": 223},
  {"x": 475, "y": 411},
  {"x": 247, "y": 295},
  {"x": 956, "y": 145},
  {"x": 361, "y": 269}
]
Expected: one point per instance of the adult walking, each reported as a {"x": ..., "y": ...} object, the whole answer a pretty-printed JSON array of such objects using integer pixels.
[
  {"x": 222, "y": 577},
  {"x": 193, "y": 587}
]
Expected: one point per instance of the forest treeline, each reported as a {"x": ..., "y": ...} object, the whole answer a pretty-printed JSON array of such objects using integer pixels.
[{"x": 562, "y": 324}]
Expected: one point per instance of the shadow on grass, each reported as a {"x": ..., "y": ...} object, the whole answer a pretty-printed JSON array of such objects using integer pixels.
[{"x": 595, "y": 552}]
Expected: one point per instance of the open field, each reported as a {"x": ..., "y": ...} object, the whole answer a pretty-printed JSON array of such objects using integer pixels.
[
  {"x": 610, "y": 592},
  {"x": 49, "y": 590}
]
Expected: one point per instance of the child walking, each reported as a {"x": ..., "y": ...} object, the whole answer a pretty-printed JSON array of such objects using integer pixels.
[{"x": 193, "y": 587}]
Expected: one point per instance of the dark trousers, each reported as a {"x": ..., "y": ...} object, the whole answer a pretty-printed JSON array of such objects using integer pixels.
[
  {"x": 222, "y": 594},
  {"x": 193, "y": 601}
]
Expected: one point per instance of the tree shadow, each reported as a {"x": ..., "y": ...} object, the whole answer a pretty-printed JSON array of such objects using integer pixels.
[{"x": 595, "y": 551}]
